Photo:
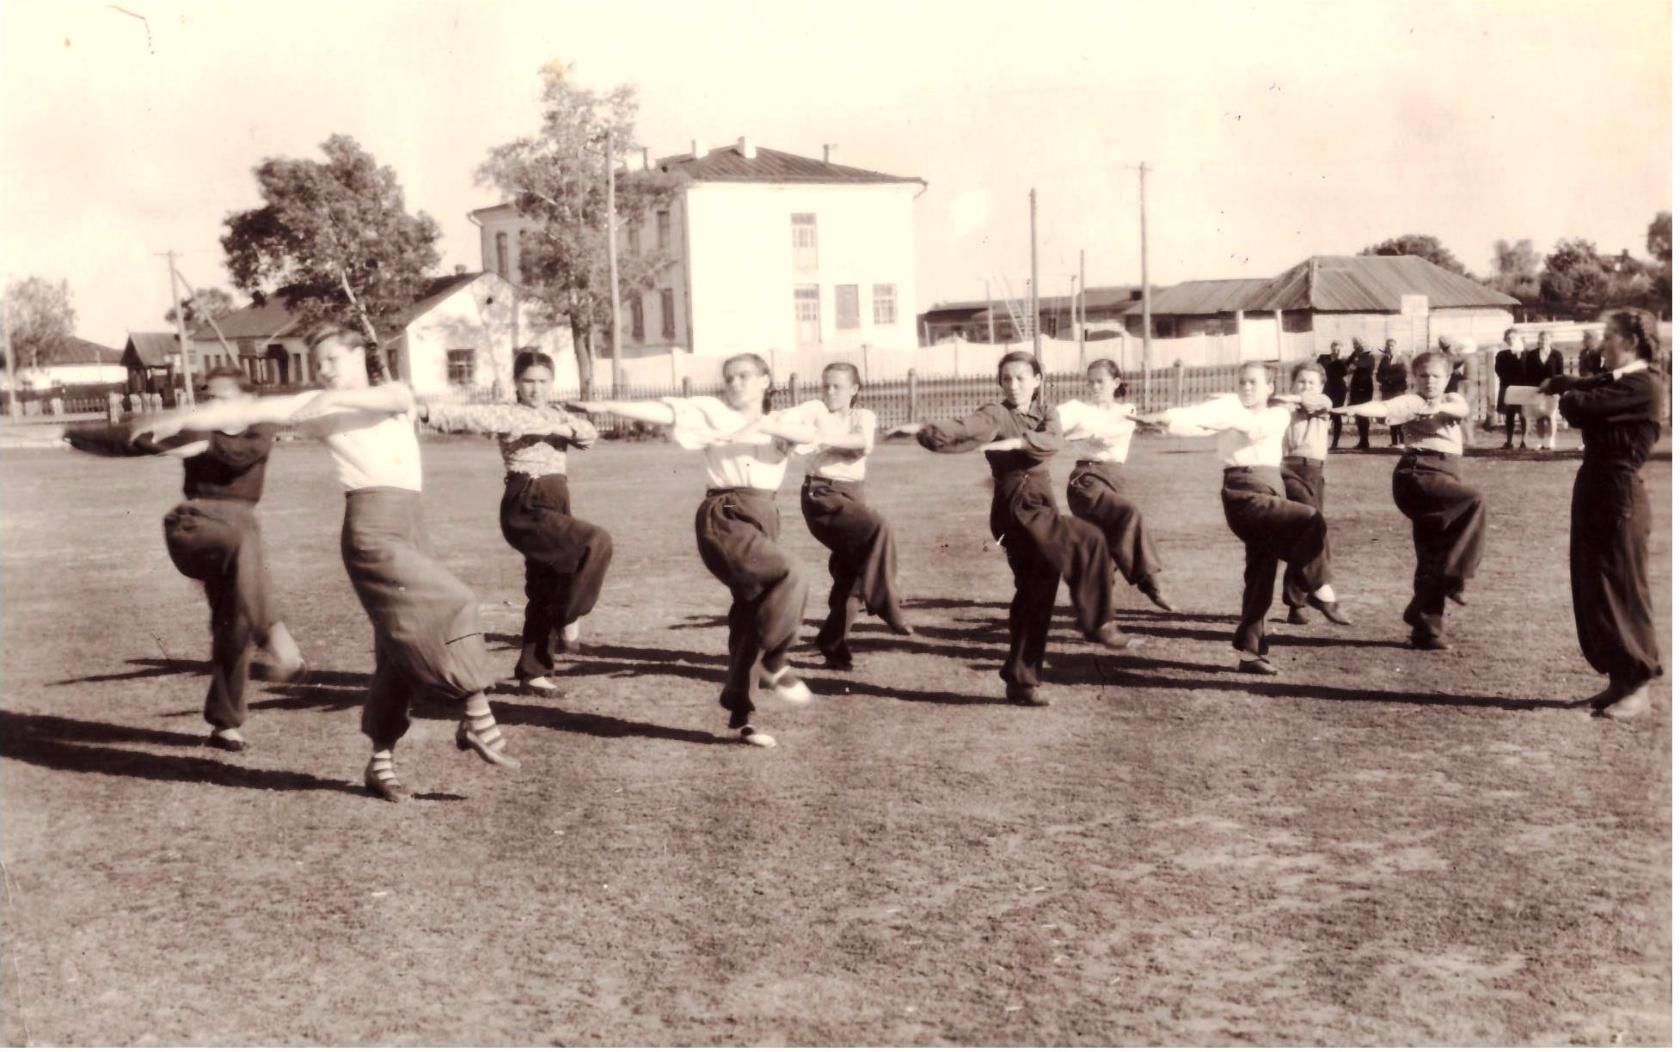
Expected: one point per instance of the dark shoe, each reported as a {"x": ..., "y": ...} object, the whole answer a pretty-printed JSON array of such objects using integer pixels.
[
  {"x": 487, "y": 742},
  {"x": 1030, "y": 697},
  {"x": 269, "y": 672},
  {"x": 1421, "y": 641},
  {"x": 541, "y": 686},
  {"x": 381, "y": 781},
  {"x": 1112, "y": 636},
  {"x": 840, "y": 660},
  {"x": 219, "y": 739},
  {"x": 1154, "y": 596},
  {"x": 1296, "y": 617},
  {"x": 1604, "y": 697},
  {"x": 1507, "y": 445},
  {"x": 1457, "y": 596},
  {"x": 1258, "y": 666},
  {"x": 1331, "y": 610},
  {"x": 1630, "y": 705}
]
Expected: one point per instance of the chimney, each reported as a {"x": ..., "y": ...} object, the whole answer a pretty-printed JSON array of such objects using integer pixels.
[
  {"x": 745, "y": 148},
  {"x": 460, "y": 268},
  {"x": 694, "y": 148}
]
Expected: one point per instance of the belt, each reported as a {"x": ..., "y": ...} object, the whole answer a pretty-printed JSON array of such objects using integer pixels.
[
  {"x": 1251, "y": 469},
  {"x": 1313, "y": 461},
  {"x": 724, "y": 491},
  {"x": 513, "y": 476},
  {"x": 1097, "y": 463},
  {"x": 1410, "y": 452},
  {"x": 826, "y": 481}
]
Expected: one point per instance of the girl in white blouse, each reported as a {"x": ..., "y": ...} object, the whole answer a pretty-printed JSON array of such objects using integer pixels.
[
  {"x": 746, "y": 448},
  {"x": 1272, "y": 527},
  {"x": 1099, "y": 431},
  {"x": 427, "y": 636}
]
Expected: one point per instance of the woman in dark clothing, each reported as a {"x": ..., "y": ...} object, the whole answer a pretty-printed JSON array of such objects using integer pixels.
[
  {"x": 1619, "y": 414},
  {"x": 1391, "y": 383},
  {"x": 1363, "y": 388},
  {"x": 213, "y": 538},
  {"x": 1508, "y": 370},
  {"x": 1335, "y": 386},
  {"x": 1018, "y": 434}
]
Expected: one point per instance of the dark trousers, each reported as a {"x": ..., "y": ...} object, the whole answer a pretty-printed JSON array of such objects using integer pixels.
[
  {"x": 218, "y": 543},
  {"x": 1044, "y": 548},
  {"x": 1448, "y": 522},
  {"x": 1516, "y": 421},
  {"x": 1609, "y": 524},
  {"x": 862, "y": 560},
  {"x": 736, "y": 531},
  {"x": 1337, "y": 399},
  {"x": 1094, "y": 495},
  {"x": 1273, "y": 529},
  {"x": 1303, "y": 483},
  {"x": 426, "y": 632},
  {"x": 566, "y": 560},
  {"x": 1396, "y": 435}
]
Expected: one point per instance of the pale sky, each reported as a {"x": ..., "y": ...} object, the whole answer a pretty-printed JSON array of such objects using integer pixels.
[{"x": 1275, "y": 130}]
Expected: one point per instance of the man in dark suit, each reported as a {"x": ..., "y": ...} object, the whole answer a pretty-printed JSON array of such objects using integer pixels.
[{"x": 1335, "y": 386}]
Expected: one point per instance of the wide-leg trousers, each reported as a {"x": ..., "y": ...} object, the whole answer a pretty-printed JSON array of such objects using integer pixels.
[
  {"x": 863, "y": 557},
  {"x": 1609, "y": 525},
  {"x": 1448, "y": 523},
  {"x": 1095, "y": 494},
  {"x": 1273, "y": 529},
  {"x": 1303, "y": 483},
  {"x": 566, "y": 560}
]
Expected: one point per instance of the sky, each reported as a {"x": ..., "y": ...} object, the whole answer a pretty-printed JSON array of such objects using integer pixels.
[{"x": 1273, "y": 130}]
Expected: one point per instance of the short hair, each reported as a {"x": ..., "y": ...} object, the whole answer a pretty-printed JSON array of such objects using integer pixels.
[
  {"x": 526, "y": 359},
  {"x": 1510, "y": 333},
  {"x": 850, "y": 370},
  {"x": 1636, "y": 325},
  {"x": 230, "y": 372},
  {"x": 1424, "y": 359},
  {"x": 1546, "y": 335},
  {"x": 1263, "y": 368},
  {"x": 334, "y": 331},
  {"x": 1308, "y": 366},
  {"x": 1121, "y": 389},
  {"x": 763, "y": 370},
  {"x": 1588, "y": 338}
]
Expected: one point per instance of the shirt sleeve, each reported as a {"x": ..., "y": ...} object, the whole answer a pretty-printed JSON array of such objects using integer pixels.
[
  {"x": 960, "y": 436},
  {"x": 863, "y": 423},
  {"x": 1216, "y": 414},
  {"x": 1632, "y": 397},
  {"x": 693, "y": 423},
  {"x": 1070, "y": 414},
  {"x": 1046, "y": 438},
  {"x": 244, "y": 449}
]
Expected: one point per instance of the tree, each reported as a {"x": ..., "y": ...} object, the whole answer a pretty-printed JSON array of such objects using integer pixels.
[
  {"x": 39, "y": 320},
  {"x": 1425, "y": 245},
  {"x": 1659, "y": 239},
  {"x": 1516, "y": 267},
  {"x": 332, "y": 236},
  {"x": 203, "y": 304},
  {"x": 1575, "y": 276},
  {"x": 557, "y": 180}
]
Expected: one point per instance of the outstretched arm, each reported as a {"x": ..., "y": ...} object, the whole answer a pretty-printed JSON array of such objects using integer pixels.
[
  {"x": 222, "y": 416},
  {"x": 646, "y": 410}
]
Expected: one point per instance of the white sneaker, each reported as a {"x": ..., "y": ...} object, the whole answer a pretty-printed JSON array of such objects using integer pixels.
[
  {"x": 788, "y": 686},
  {"x": 570, "y": 632},
  {"x": 752, "y": 736}
]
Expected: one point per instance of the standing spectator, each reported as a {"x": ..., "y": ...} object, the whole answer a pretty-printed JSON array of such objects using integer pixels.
[
  {"x": 1546, "y": 419},
  {"x": 1458, "y": 354},
  {"x": 1335, "y": 386},
  {"x": 113, "y": 411},
  {"x": 1507, "y": 367},
  {"x": 1363, "y": 388},
  {"x": 1592, "y": 359},
  {"x": 1391, "y": 381}
]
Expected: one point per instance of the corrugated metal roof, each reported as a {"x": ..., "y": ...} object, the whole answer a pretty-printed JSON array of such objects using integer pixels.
[
  {"x": 77, "y": 351},
  {"x": 1219, "y": 296},
  {"x": 1097, "y": 296},
  {"x": 250, "y": 323},
  {"x": 727, "y": 164},
  {"x": 152, "y": 348},
  {"x": 1370, "y": 283}
]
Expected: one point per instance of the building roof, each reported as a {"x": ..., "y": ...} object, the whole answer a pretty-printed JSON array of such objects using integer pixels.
[
  {"x": 1097, "y": 297},
  {"x": 76, "y": 351},
  {"x": 152, "y": 348},
  {"x": 1217, "y": 296},
  {"x": 437, "y": 290},
  {"x": 250, "y": 323},
  {"x": 1370, "y": 283},
  {"x": 730, "y": 164}
]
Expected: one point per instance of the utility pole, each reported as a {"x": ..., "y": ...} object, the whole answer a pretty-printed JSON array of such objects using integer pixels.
[
  {"x": 181, "y": 332},
  {"x": 1082, "y": 308},
  {"x": 11, "y": 365},
  {"x": 612, "y": 267},
  {"x": 1143, "y": 247},
  {"x": 991, "y": 324},
  {"x": 1032, "y": 205}
]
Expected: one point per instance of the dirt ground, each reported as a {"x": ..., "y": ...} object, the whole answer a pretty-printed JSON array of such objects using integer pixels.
[{"x": 1377, "y": 847}]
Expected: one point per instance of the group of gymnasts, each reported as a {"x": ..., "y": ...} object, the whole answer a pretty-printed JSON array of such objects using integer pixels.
[{"x": 427, "y": 634}]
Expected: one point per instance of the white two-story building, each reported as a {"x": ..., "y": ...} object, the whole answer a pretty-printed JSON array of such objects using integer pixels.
[{"x": 769, "y": 250}]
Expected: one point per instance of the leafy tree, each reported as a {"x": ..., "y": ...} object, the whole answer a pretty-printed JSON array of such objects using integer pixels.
[
  {"x": 1575, "y": 276},
  {"x": 1516, "y": 269},
  {"x": 39, "y": 320},
  {"x": 1425, "y": 245},
  {"x": 1659, "y": 239},
  {"x": 332, "y": 237},
  {"x": 201, "y": 305},
  {"x": 556, "y": 179}
]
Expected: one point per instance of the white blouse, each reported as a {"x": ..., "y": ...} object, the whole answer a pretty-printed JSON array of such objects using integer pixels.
[
  {"x": 844, "y": 465},
  {"x": 736, "y": 464},
  {"x": 1109, "y": 429},
  {"x": 1227, "y": 416},
  {"x": 369, "y": 447}
]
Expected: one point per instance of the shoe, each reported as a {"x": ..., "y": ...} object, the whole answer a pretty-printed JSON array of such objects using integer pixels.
[
  {"x": 752, "y": 736},
  {"x": 1331, "y": 610},
  {"x": 787, "y": 685},
  {"x": 1258, "y": 666},
  {"x": 541, "y": 686},
  {"x": 1411, "y": 616},
  {"x": 1111, "y": 635},
  {"x": 1457, "y": 596},
  {"x": 1507, "y": 445},
  {"x": 1420, "y": 641},
  {"x": 487, "y": 742},
  {"x": 1032, "y": 697},
  {"x": 1601, "y": 699},
  {"x": 270, "y": 672},
  {"x": 899, "y": 626},
  {"x": 837, "y": 660},
  {"x": 381, "y": 781},
  {"x": 1296, "y": 617},
  {"x": 228, "y": 740},
  {"x": 1634, "y": 703},
  {"x": 1154, "y": 596}
]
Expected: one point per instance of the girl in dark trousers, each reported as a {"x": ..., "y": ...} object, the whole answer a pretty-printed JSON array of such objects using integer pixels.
[
  {"x": 426, "y": 634},
  {"x": 1306, "y": 446},
  {"x": 863, "y": 558},
  {"x": 213, "y": 537},
  {"x": 737, "y": 525},
  {"x": 1447, "y": 516},
  {"x": 1619, "y": 413},
  {"x": 1272, "y": 527},
  {"x": 1044, "y": 547},
  {"x": 566, "y": 558},
  {"x": 1099, "y": 430}
]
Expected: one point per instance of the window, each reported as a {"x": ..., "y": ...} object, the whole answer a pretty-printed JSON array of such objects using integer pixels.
[
  {"x": 501, "y": 256},
  {"x": 637, "y": 331},
  {"x": 805, "y": 240},
  {"x": 845, "y": 306},
  {"x": 662, "y": 229},
  {"x": 634, "y": 233},
  {"x": 668, "y": 313},
  {"x": 462, "y": 366},
  {"x": 886, "y": 304},
  {"x": 807, "y": 315}
]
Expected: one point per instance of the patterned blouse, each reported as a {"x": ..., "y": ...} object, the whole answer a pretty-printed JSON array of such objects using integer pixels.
[{"x": 526, "y": 434}]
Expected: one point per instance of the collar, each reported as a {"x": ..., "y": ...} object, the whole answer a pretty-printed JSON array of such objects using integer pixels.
[{"x": 1638, "y": 365}]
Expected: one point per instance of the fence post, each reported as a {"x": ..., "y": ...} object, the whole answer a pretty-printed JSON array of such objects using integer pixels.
[
  {"x": 793, "y": 389},
  {"x": 913, "y": 399},
  {"x": 687, "y": 387},
  {"x": 1178, "y": 382}
]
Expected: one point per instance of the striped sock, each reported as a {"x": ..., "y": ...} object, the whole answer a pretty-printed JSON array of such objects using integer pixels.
[
  {"x": 483, "y": 726},
  {"x": 382, "y": 770}
]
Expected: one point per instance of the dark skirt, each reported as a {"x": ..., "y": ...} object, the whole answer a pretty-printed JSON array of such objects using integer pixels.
[
  {"x": 1448, "y": 523},
  {"x": 566, "y": 561},
  {"x": 1609, "y": 525},
  {"x": 426, "y": 632},
  {"x": 1273, "y": 529},
  {"x": 863, "y": 557},
  {"x": 1094, "y": 494},
  {"x": 736, "y": 532}
]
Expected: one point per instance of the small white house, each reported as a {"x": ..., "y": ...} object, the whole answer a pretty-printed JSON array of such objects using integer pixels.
[
  {"x": 77, "y": 362},
  {"x": 768, "y": 249}
]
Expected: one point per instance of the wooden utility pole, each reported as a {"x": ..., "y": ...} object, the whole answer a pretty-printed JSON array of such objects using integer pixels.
[
  {"x": 181, "y": 332},
  {"x": 1143, "y": 247},
  {"x": 612, "y": 267},
  {"x": 1081, "y": 322},
  {"x": 1032, "y": 207},
  {"x": 991, "y": 323}
]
